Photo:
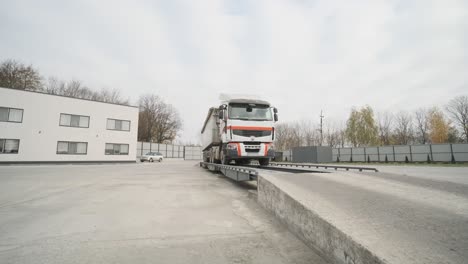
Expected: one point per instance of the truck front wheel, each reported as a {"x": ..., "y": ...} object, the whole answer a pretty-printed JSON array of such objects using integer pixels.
[{"x": 224, "y": 159}]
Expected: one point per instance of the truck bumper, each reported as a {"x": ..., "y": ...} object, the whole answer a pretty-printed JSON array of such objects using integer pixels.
[{"x": 245, "y": 153}]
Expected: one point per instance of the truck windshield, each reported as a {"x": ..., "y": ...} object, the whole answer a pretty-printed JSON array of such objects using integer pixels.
[{"x": 250, "y": 112}]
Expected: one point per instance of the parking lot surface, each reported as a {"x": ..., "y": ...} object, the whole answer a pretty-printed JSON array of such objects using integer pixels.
[{"x": 169, "y": 212}]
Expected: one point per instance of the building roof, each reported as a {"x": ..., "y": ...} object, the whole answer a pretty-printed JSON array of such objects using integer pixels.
[{"x": 44, "y": 93}]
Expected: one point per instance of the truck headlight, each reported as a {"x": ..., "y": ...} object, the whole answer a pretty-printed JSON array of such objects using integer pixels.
[{"x": 232, "y": 146}]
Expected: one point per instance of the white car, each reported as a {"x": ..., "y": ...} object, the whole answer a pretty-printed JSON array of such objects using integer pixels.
[{"x": 151, "y": 157}]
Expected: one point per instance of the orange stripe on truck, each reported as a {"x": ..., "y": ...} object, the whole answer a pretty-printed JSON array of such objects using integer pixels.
[
  {"x": 266, "y": 149},
  {"x": 250, "y": 128},
  {"x": 238, "y": 149}
]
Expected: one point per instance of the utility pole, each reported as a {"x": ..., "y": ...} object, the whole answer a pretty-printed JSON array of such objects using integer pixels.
[{"x": 321, "y": 127}]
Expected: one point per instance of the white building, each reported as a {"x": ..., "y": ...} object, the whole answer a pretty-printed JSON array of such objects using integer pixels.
[{"x": 39, "y": 127}]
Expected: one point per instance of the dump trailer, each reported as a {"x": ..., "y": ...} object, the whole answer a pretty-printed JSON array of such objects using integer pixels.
[{"x": 239, "y": 130}]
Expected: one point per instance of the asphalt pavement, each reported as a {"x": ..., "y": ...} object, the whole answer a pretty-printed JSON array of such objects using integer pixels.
[{"x": 169, "y": 212}]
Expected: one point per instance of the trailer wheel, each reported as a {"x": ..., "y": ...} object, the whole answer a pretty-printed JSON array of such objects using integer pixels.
[{"x": 264, "y": 162}]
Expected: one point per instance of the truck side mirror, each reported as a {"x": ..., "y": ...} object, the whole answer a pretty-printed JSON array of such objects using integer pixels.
[
  {"x": 276, "y": 117},
  {"x": 275, "y": 110}
]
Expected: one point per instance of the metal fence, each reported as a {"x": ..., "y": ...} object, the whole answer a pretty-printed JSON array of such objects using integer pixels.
[
  {"x": 193, "y": 153},
  {"x": 403, "y": 153},
  {"x": 170, "y": 151},
  {"x": 287, "y": 156}
]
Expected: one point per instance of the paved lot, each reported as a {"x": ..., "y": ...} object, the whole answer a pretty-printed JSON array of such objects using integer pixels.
[{"x": 170, "y": 212}]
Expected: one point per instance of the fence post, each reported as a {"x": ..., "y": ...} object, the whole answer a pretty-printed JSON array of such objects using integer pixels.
[
  {"x": 151, "y": 144},
  {"x": 141, "y": 150},
  {"x": 365, "y": 155},
  {"x": 183, "y": 154},
  {"x": 394, "y": 158},
  {"x": 430, "y": 150},
  {"x": 166, "y": 149},
  {"x": 351, "y": 155},
  {"x": 378, "y": 153},
  {"x": 339, "y": 154},
  {"x": 173, "y": 151},
  {"x": 410, "y": 153},
  {"x": 452, "y": 158}
]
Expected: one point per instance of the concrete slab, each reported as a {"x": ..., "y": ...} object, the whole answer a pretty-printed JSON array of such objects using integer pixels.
[
  {"x": 372, "y": 217},
  {"x": 169, "y": 212}
]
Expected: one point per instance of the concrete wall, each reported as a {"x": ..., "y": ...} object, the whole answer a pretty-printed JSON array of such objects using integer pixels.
[
  {"x": 313, "y": 154},
  {"x": 39, "y": 130},
  {"x": 312, "y": 228},
  {"x": 399, "y": 153},
  {"x": 287, "y": 155}
]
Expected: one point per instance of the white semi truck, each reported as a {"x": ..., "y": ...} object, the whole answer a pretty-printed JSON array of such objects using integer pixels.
[{"x": 239, "y": 130}]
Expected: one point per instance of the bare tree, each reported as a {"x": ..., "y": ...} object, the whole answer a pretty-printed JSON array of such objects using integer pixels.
[
  {"x": 54, "y": 86},
  {"x": 332, "y": 137},
  {"x": 112, "y": 96},
  {"x": 385, "y": 127},
  {"x": 307, "y": 134},
  {"x": 159, "y": 122},
  {"x": 342, "y": 137},
  {"x": 282, "y": 136},
  {"x": 458, "y": 109},
  {"x": 296, "y": 136},
  {"x": 16, "y": 75},
  {"x": 403, "y": 128},
  {"x": 76, "y": 89},
  {"x": 422, "y": 125}
]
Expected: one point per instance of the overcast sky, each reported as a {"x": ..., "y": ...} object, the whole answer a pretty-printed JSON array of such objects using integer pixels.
[{"x": 302, "y": 55}]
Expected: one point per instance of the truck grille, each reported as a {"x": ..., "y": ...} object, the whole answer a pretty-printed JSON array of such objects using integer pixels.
[
  {"x": 252, "y": 133},
  {"x": 252, "y": 150},
  {"x": 252, "y": 143}
]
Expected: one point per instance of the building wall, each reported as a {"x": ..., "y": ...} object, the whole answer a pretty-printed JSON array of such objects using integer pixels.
[{"x": 40, "y": 129}]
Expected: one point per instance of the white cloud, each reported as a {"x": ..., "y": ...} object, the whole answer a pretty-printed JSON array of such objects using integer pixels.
[{"x": 303, "y": 55}]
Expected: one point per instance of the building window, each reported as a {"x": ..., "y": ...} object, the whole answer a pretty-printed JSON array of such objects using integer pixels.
[
  {"x": 9, "y": 146},
  {"x": 74, "y": 120},
  {"x": 74, "y": 148},
  {"x": 116, "y": 149},
  {"x": 11, "y": 115},
  {"x": 115, "y": 124}
]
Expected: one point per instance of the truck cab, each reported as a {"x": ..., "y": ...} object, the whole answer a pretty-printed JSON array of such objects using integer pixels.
[{"x": 245, "y": 131}]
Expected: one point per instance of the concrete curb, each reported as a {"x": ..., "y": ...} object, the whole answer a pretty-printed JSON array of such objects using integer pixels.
[{"x": 316, "y": 232}]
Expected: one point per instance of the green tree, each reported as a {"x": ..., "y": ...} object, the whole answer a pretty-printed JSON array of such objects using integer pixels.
[{"x": 361, "y": 128}]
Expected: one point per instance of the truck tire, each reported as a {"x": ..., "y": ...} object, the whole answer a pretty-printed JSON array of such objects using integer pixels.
[
  {"x": 264, "y": 162},
  {"x": 241, "y": 162},
  {"x": 224, "y": 160}
]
